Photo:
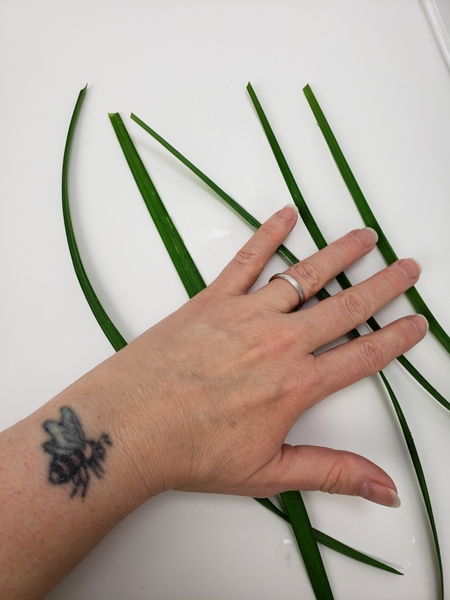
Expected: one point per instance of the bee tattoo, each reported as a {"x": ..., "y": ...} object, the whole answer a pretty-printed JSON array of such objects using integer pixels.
[{"x": 72, "y": 455}]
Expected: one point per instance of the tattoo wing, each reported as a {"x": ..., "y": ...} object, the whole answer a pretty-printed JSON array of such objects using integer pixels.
[{"x": 66, "y": 435}]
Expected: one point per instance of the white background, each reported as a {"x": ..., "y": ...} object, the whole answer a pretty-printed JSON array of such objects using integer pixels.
[{"x": 182, "y": 66}]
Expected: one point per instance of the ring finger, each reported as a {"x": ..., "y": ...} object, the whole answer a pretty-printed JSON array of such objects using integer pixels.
[{"x": 317, "y": 270}]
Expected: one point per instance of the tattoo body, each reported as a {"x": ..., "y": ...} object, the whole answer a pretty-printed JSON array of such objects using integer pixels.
[{"x": 72, "y": 455}]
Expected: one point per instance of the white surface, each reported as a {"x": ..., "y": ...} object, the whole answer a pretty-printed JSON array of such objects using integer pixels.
[{"x": 183, "y": 67}]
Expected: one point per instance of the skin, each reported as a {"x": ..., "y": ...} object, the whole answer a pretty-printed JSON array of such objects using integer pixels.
[{"x": 203, "y": 401}]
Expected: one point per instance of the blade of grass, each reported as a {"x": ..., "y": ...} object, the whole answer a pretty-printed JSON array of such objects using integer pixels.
[
  {"x": 301, "y": 525},
  {"x": 420, "y": 477},
  {"x": 369, "y": 218},
  {"x": 332, "y": 543},
  {"x": 220, "y": 192},
  {"x": 182, "y": 260},
  {"x": 287, "y": 254},
  {"x": 318, "y": 237},
  {"x": 100, "y": 314},
  {"x": 106, "y": 325}
]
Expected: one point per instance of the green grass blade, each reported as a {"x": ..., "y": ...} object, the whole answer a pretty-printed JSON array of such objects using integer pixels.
[
  {"x": 210, "y": 183},
  {"x": 332, "y": 543},
  {"x": 369, "y": 218},
  {"x": 301, "y": 525},
  {"x": 297, "y": 196},
  {"x": 109, "y": 329},
  {"x": 182, "y": 260},
  {"x": 420, "y": 477}
]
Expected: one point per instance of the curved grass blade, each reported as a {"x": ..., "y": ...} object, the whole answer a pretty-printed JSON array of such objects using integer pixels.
[
  {"x": 301, "y": 525},
  {"x": 319, "y": 239},
  {"x": 420, "y": 477},
  {"x": 182, "y": 260},
  {"x": 285, "y": 252},
  {"x": 332, "y": 543},
  {"x": 109, "y": 329},
  {"x": 210, "y": 183},
  {"x": 369, "y": 218}
]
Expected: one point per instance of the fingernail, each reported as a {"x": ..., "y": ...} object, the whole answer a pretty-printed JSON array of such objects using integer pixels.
[
  {"x": 421, "y": 323},
  {"x": 367, "y": 236},
  {"x": 380, "y": 494},
  {"x": 288, "y": 212},
  {"x": 411, "y": 267}
]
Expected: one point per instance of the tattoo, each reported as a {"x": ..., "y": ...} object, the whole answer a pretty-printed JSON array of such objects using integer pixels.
[{"x": 72, "y": 455}]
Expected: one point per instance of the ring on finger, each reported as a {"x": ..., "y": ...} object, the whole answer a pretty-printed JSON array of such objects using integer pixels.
[{"x": 297, "y": 287}]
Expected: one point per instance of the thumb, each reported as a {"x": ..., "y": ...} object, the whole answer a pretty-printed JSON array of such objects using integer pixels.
[{"x": 332, "y": 471}]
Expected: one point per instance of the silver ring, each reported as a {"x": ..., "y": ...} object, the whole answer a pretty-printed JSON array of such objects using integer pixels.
[{"x": 297, "y": 287}]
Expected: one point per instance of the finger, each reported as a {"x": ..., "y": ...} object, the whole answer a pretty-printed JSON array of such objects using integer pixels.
[
  {"x": 336, "y": 316},
  {"x": 317, "y": 270},
  {"x": 242, "y": 272},
  {"x": 327, "y": 470},
  {"x": 345, "y": 364}
]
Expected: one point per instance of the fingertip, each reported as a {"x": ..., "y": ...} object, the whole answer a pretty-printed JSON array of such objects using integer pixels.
[
  {"x": 421, "y": 324},
  {"x": 380, "y": 494},
  {"x": 288, "y": 213}
]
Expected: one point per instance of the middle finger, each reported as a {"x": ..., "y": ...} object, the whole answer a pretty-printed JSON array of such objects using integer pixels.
[{"x": 317, "y": 270}]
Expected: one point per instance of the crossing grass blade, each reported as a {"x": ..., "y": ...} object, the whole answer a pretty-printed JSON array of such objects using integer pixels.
[
  {"x": 420, "y": 478},
  {"x": 301, "y": 525},
  {"x": 108, "y": 327},
  {"x": 319, "y": 239},
  {"x": 182, "y": 260},
  {"x": 332, "y": 543},
  {"x": 119, "y": 342},
  {"x": 368, "y": 216},
  {"x": 210, "y": 183},
  {"x": 285, "y": 252}
]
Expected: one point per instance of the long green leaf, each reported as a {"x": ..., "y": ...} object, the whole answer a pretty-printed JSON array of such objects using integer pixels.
[
  {"x": 285, "y": 252},
  {"x": 109, "y": 329},
  {"x": 369, "y": 218},
  {"x": 332, "y": 543},
  {"x": 182, "y": 260},
  {"x": 420, "y": 476},
  {"x": 210, "y": 183},
  {"x": 318, "y": 238},
  {"x": 301, "y": 525}
]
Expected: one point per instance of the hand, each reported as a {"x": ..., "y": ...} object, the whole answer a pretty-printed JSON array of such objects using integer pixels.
[{"x": 213, "y": 390}]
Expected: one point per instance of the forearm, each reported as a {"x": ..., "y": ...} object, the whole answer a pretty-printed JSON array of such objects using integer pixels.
[{"x": 54, "y": 508}]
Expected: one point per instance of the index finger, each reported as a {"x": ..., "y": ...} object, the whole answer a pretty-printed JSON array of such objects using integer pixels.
[{"x": 245, "y": 268}]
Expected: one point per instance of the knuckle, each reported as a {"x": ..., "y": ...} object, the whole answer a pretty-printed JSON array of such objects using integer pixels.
[
  {"x": 245, "y": 257},
  {"x": 337, "y": 480},
  {"x": 308, "y": 275},
  {"x": 372, "y": 354},
  {"x": 353, "y": 307}
]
